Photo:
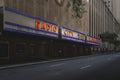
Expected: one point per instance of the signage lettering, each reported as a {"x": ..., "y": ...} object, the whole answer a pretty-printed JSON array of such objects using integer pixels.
[
  {"x": 80, "y": 36},
  {"x": 55, "y": 29},
  {"x": 46, "y": 26},
  {"x": 94, "y": 40},
  {"x": 68, "y": 33},
  {"x": 37, "y": 24},
  {"x": 43, "y": 26}
]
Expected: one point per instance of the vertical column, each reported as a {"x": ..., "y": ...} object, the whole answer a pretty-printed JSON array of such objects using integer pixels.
[
  {"x": 90, "y": 16},
  {"x": 103, "y": 15},
  {"x": 93, "y": 17},
  {"x": 91, "y": 29}
]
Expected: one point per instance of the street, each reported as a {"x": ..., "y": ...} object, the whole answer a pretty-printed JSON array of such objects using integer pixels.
[{"x": 99, "y": 67}]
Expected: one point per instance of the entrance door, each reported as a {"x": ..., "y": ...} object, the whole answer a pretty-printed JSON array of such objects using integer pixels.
[
  {"x": 33, "y": 51},
  {"x": 4, "y": 50}
]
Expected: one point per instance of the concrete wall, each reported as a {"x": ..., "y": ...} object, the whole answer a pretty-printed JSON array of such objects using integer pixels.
[{"x": 1, "y": 3}]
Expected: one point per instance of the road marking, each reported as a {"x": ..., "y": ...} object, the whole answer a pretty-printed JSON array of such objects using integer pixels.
[
  {"x": 55, "y": 65},
  {"x": 85, "y": 67}
]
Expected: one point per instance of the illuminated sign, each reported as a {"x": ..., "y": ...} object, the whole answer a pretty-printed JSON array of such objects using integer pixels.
[
  {"x": 67, "y": 32},
  {"x": 72, "y": 35},
  {"x": 92, "y": 40},
  {"x": 16, "y": 21},
  {"x": 46, "y": 26},
  {"x": 81, "y": 36}
]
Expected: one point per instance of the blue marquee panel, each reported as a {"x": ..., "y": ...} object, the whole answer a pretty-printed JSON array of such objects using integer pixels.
[{"x": 16, "y": 21}]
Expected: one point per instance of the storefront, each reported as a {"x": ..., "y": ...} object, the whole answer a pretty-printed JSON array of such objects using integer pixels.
[{"x": 25, "y": 37}]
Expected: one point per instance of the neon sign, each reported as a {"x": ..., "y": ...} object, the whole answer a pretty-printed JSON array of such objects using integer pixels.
[
  {"x": 92, "y": 40},
  {"x": 72, "y": 35},
  {"x": 46, "y": 26},
  {"x": 28, "y": 24}
]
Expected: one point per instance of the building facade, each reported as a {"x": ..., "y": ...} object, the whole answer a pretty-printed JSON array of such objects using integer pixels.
[
  {"x": 102, "y": 19},
  {"x": 109, "y": 4},
  {"x": 52, "y": 11},
  {"x": 43, "y": 29},
  {"x": 114, "y": 5}
]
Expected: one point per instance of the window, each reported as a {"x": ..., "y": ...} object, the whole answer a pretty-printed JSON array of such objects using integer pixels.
[
  {"x": 4, "y": 50},
  {"x": 20, "y": 48},
  {"x": 33, "y": 50},
  {"x": 1, "y": 18}
]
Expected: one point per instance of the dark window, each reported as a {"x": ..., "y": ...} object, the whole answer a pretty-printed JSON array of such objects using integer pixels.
[
  {"x": 33, "y": 50},
  {"x": 20, "y": 48},
  {"x": 1, "y": 18},
  {"x": 4, "y": 50}
]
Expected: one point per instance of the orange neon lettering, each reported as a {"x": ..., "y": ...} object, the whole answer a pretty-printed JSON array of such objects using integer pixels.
[
  {"x": 55, "y": 29},
  {"x": 71, "y": 33},
  {"x": 68, "y": 33},
  {"x": 97, "y": 40},
  {"x": 37, "y": 24},
  {"x": 90, "y": 39},
  {"x": 48, "y": 27},
  {"x": 65, "y": 32},
  {"x": 93, "y": 40},
  {"x": 43, "y": 26}
]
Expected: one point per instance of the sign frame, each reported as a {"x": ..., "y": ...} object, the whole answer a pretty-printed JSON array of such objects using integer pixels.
[
  {"x": 26, "y": 29},
  {"x": 70, "y": 36}
]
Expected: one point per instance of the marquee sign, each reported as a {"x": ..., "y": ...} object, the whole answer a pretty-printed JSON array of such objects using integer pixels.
[
  {"x": 16, "y": 21},
  {"x": 46, "y": 26},
  {"x": 92, "y": 40},
  {"x": 69, "y": 34}
]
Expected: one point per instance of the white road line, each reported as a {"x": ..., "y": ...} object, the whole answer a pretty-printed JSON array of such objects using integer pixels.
[
  {"x": 86, "y": 67},
  {"x": 55, "y": 65}
]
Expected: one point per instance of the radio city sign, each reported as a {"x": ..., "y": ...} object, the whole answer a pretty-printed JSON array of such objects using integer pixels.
[
  {"x": 16, "y": 21},
  {"x": 46, "y": 26},
  {"x": 69, "y": 34},
  {"x": 27, "y": 24}
]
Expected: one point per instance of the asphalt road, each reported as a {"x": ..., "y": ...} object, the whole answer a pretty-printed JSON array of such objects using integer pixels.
[{"x": 102, "y": 67}]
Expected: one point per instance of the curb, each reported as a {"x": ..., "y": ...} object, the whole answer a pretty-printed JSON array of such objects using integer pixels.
[
  {"x": 42, "y": 62},
  {"x": 34, "y": 63}
]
